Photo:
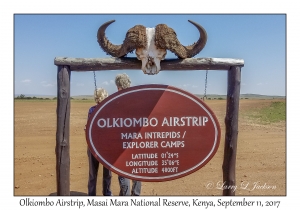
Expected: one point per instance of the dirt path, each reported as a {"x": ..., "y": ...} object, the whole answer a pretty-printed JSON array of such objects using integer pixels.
[{"x": 260, "y": 169}]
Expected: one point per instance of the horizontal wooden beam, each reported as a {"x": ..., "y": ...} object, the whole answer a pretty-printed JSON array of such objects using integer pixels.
[{"x": 101, "y": 64}]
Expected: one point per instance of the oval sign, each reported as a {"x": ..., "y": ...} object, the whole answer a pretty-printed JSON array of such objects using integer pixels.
[{"x": 153, "y": 133}]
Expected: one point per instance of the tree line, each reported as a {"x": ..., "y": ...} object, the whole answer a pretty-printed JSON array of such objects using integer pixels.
[{"x": 23, "y": 97}]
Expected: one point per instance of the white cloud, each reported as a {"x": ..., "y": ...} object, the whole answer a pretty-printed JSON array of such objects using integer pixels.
[
  {"x": 47, "y": 85},
  {"x": 261, "y": 83},
  {"x": 26, "y": 81},
  {"x": 189, "y": 85},
  {"x": 105, "y": 83}
]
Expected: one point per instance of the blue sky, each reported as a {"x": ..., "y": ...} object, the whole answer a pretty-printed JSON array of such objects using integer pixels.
[{"x": 258, "y": 39}]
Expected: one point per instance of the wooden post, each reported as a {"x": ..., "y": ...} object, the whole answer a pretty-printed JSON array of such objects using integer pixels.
[
  {"x": 62, "y": 149},
  {"x": 231, "y": 122}
]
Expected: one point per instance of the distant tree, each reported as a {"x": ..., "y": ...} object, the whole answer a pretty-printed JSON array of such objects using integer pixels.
[{"x": 22, "y": 96}]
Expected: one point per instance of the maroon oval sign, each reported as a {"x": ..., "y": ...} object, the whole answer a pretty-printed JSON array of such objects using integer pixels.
[{"x": 153, "y": 133}]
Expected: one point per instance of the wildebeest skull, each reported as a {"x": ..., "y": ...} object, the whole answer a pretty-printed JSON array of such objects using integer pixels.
[{"x": 151, "y": 44}]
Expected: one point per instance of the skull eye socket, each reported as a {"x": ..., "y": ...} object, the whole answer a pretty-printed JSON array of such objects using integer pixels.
[
  {"x": 140, "y": 53},
  {"x": 161, "y": 54}
]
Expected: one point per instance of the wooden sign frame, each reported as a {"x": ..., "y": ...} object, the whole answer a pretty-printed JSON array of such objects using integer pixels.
[{"x": 66, "y": 65}]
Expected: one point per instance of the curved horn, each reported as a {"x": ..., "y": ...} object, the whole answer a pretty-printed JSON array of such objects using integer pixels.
[
  {"x": 195, "y": 48},
  {"x": 166, "y": 38},
  {"x": 108, "y": 47}
]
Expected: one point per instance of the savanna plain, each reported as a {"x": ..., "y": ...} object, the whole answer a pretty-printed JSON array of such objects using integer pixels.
[{"x": 260, "y": 160}]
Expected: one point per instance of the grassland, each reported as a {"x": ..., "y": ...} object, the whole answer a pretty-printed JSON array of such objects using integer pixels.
[
  {"x": 274, "y": 112},
  {"x": 261, "y": 153}
]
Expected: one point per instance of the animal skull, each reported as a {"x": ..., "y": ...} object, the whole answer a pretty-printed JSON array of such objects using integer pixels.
[
  {"x": 151, "y": 44},
  {"x": 151, "y": 55}
]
